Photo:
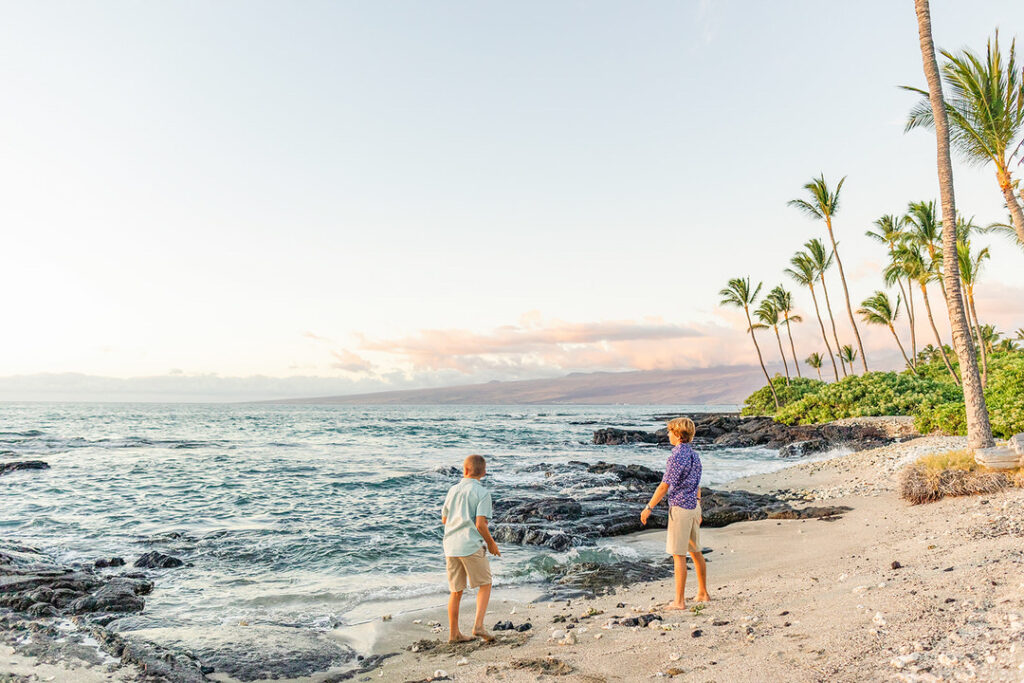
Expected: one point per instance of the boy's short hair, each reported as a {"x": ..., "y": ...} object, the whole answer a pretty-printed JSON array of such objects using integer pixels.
[
  {"x": 475, "y": 465},
  {"x": 682, "y": 427}
]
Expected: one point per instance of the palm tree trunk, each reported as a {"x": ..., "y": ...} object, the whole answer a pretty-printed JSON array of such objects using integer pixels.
[
  {"x": 792, "y": 348},
  {"x": 846, "y": 294},
  {"x": 897, "y": 338},
  {"x": 912, "y": 317},
  {"x": 819, "y": 373},
  {"x": 1016, "y": 213},
  {"x": 760, "y": 359},
  {"x": 828, "y": 305},
  {"x": 782, "y": 353},
  {"x": 938, "y": 339},
  {"x": 824, "y": 336},
  {"x": 973, "y": 310},
  {"x": 979, "y": 429}
]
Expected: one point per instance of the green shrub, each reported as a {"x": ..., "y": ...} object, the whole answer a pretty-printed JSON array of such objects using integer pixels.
[
  {"x": 930, "y": 397},
  {"x": 876, "y": 393},
  {"x": 760, "y": 402}
]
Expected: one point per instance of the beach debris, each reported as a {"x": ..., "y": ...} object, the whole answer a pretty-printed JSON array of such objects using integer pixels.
[
  {"x": 672, "y": 672},
  {"x": 570, "y": 639},
  {"x": 385, "y": 617},
  {"x": 643, "y": 620},
  {"x": 896, "y": 564},
  {"x": 696, "y": 633},
  {"x": 674, "y": 657},
  {"x": 843, "y": 577},
  {"x": 525, "y": 626},
  {"x": 557, "y": 634},
  {"x": 860, "y": 589},
  {"x": 903, "y": 661},
  {"x": 719, "y": 622},
  {"x": 879, "y": 619},
  {"x": 598, "y": 636},
  {"x": 462, "y": 662},
  {"x": 439, "y": 675}
]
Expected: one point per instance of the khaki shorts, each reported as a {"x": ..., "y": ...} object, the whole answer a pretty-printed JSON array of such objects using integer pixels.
[
  {"x": 683, "y": 529},
  {"x": 472, "y": 569}
]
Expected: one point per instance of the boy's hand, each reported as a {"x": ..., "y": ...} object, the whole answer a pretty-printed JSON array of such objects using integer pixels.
[
  {"x": 492, "y": 548},
  {"x": 645, "y": 515}
]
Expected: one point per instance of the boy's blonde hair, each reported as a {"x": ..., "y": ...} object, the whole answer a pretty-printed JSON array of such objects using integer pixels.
[
  {"x": 682, "y": 427},
  {"x": 475, "y": 465}
]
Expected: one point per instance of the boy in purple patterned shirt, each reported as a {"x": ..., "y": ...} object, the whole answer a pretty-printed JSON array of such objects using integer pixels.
[{"x": 682, "y": 484}]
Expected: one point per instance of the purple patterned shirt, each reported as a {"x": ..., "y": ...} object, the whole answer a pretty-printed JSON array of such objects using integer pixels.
[{"x": 682, "y": 474}]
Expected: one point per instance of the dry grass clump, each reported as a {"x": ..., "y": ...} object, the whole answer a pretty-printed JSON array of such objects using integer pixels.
[{"x": 955, "y": 473}]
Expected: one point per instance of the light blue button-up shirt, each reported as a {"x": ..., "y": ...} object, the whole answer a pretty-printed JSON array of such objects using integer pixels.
[{"x": 466, "y": 501}]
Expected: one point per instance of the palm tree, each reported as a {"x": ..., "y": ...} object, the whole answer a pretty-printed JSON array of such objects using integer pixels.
[
  {"x": 979, "y": 429},
  {"x": 803, "y": 271},
  {"x": 1006, "y": 230},
  {"x": 912, "y": 262},
  {"x": 783, "y": 300},
  {"x": 970, "y": 269},
  {"x": 878, "y": 310},
  {"x": 1020, "y": 334},
  {"x": 985, "y": 106},
  {"x": 814, "y": 360},
  {"x": 848, "y": 354},
  {"x": 823, "y": 205},
  {"x": 1007, "y": 346},
  {"x": 738, "y": 293},
  {"x": 925, "y": 230},
  {"x": 821, "y": 259},
  {"x": 891, "y": 233},
  {"x": 768, "y": 314}
]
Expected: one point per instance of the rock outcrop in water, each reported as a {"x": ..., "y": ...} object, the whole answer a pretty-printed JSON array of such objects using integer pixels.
[
  {"x": 7, "y": 467},
  {"x": 560, "y": 523},
  {"x": 729, "y": 430}
]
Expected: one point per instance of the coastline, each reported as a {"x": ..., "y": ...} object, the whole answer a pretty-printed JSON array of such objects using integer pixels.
[
  {"x": 797, "y": 600},
  {"x": 806, "y": 599}
]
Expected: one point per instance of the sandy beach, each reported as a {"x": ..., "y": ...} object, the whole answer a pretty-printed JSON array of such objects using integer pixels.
[{"x": 886, "y": 591}]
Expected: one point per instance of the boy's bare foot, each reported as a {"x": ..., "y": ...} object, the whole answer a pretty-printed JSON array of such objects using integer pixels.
[
  {"x": 703, "y": 597},
  {"x": 483, "y": 635},
  {"x": 459, "y": 638},
  {"x": 675, "y": 606}
]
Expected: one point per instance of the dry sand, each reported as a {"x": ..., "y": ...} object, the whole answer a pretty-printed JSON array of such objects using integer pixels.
[{"x": 809, "y": 600}]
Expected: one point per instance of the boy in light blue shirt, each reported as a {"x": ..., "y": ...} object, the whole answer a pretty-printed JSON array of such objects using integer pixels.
[{"x": 466, "y": 510}]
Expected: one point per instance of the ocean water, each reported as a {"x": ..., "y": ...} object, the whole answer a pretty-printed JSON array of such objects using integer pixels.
[{"x": 297, "y": 515}]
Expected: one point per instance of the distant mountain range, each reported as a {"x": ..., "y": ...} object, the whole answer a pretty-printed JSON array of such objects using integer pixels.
[{"x": 716, "y": 385}]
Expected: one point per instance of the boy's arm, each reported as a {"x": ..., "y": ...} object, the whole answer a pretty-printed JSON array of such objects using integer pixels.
[
  {"x": 481, "y": 526},
  {"x": 659, "y": 493}
]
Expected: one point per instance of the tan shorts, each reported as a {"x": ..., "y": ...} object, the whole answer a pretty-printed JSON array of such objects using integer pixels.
[
  {"x": 683, "y": 529},
  {"x": 472, "y": 569}
]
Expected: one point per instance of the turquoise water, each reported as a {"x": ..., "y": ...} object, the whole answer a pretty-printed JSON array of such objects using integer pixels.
[{"x": 294, "y": 515}]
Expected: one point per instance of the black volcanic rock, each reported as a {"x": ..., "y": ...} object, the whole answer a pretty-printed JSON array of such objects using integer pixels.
[
  {"x": 614, "y": 509},
  {"x": 156, "y": 560},
  {"x": 8, "y": 467}
]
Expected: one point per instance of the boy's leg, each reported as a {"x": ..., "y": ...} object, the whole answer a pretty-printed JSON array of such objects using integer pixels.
[
  {"x": 454, "y": 634},
  {"x": 483, "y": 596},
  {"x": 701, "y": 568},
  {"x": 680, "y": 570}
]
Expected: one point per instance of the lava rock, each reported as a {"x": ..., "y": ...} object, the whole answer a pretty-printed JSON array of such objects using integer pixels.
[
  {"x": 117, "y": 596},
  {"x": 8, "y": 467},
  {"x": 157, "y": 560},
  {"x": 103, "y": 563}
]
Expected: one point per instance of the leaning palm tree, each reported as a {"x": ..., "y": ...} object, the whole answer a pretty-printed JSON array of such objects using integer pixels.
[
  {"x": 738, "y": 293},
  {"x": 823, "y": 205},
  {"x": 890, "y": 231},
  {"x": 913, "y": 264},
  {"x": 814, "y": 360},
  {"x": 877, "y": 309},
  {"x": 848, "y": 354},
  {"x": 970, "y": 269},
  {"x": 768, "y": 314},
  {"x": 1006, "y": 230},
  {"x": 985, "y": 106},
  {"x": 822, "y": 261},
  {"x": 1020, "y": 334},
  {"x": 979, "y": 428},
  {"x": 803, "y": 271},
  {"x": 783, "y": 300}
]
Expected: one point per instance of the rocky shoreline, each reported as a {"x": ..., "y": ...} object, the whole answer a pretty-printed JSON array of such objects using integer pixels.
[{"x": 731, "y": 430}]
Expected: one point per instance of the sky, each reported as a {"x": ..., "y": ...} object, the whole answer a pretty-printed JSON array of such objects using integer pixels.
[{"x": 331, "y": 197}]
